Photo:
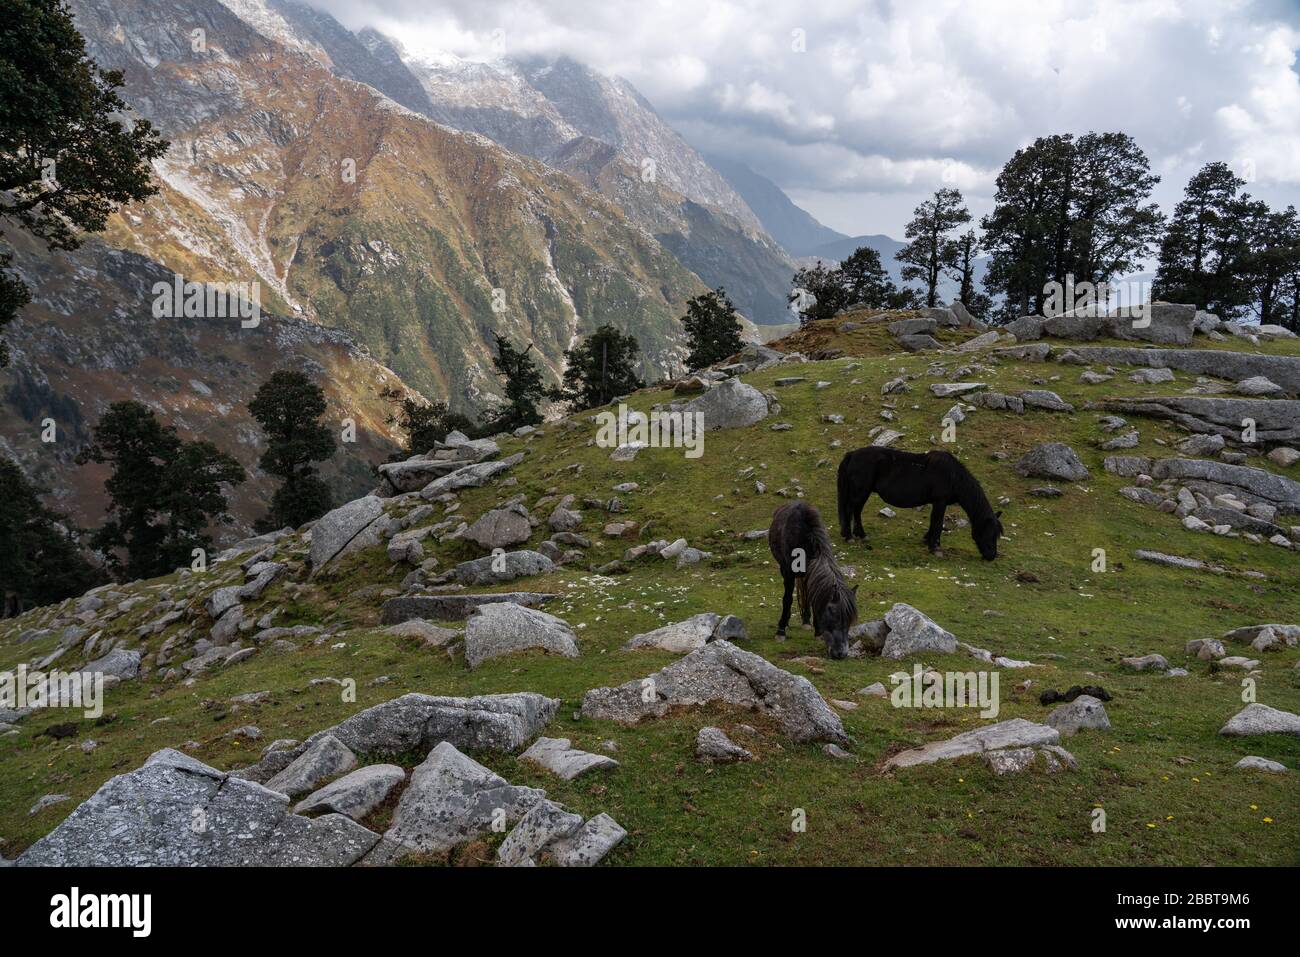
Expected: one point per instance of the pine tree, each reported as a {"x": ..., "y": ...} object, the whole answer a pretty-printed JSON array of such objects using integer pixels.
[
  {"x": 712, "y": 329},
  {"x": 288, "y": 407},
  {"x": 68, "y": 157},
  {"x": 1205, "y": 253},
  {"x": 40, "y": 561},
  {"x": 931, "y": 251},
  {"x": 1274, "y": 261},
  {"x": 163, "y": 492},
  {"x": 965, "y": 248},
  {"x": 600, "y": 368},
  {"x": 1068, "y": 209},
  {"x": 522, "y": 385}
]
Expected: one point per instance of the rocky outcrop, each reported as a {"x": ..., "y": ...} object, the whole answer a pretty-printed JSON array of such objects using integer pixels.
[
  {"x": 1234, "y": 366},
  {"x": 1215, "y": 478},
  {"x": 1276, "y": 420},
  {"x": 500, "y": 528},
  {"x": 327, "y": 757},
  {"x": 175, "y": 811},
  {"x": 452, "y": 799},
  {"x": 417, "y": 722},
  {"x": 471, "y": 476},
  {"x": 356, "y": 794},
  {"x": 720, "y": 672},
  {"x": 334, "y": 530}
]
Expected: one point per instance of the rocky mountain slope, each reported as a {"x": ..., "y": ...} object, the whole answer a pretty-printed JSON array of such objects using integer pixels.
[
  {"x": 90, "y": 339},
  {"x": 350, "y": 213},
  {"x": 795, "y": 229},
  {"x": 367, "y": 687},
  {"x": 596, "y": 128}
]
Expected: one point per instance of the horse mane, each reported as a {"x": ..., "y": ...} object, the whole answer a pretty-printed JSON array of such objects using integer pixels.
[
  {"x": 799, "y": 525},
  {"x": 823, "y": 579},
  {"x": 970, "y": 495}
]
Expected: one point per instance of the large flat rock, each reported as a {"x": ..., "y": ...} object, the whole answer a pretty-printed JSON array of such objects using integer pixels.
[
  {"x": 1015, "y": 733},
  {"x": 334, "y": 530},
  {"x": 417, "y": 722},
  {"x": 1276, "y": 420},
  {"x": 175, "y": 811},
  {"x": 452, "y": 799}
]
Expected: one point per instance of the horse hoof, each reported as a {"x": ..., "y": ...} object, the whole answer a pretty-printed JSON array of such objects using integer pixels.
[{"x": 780, "y": 636}]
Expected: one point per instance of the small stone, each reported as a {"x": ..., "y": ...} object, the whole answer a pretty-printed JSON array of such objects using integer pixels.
[
  {"x": 1254, "y": 763},
  {"x": 713, "y": 745}
]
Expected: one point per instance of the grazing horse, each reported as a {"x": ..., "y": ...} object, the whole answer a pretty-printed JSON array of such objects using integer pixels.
[
  {"x": 802, "y": 549},
  {"x": 910, "y": 480}
]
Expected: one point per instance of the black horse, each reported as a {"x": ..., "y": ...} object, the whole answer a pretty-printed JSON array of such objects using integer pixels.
[
  {"x": 802, "y": 549},
  {"x": 910, "y": 480}
]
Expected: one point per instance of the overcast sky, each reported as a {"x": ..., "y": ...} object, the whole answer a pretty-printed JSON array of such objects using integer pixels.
[{"x": 860, "y": 108}]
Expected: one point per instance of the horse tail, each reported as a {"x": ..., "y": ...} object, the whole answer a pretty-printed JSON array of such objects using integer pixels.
[
  {"x": 843, "y": 485},
  {"x": 801, "y": 589}
]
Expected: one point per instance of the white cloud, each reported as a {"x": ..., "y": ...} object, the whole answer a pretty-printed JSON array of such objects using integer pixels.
[{"x": 883, "y": 94}]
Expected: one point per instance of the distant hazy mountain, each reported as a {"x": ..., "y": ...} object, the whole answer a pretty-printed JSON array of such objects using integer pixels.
[{"x": 792, "y": 227}]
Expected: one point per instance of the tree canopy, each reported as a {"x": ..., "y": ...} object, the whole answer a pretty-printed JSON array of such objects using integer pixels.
[{"x": 68, "y": 154}]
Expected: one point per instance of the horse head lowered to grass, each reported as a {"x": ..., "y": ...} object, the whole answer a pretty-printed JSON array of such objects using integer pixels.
[{"x": 802, "y": 549}]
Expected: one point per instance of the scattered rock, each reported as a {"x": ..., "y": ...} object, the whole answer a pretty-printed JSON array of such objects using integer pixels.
[
  {"x": 1261, "y": 719},
  {"x": 355, "y": 794},
  {"x": 556, "y": 755},
  {"x": 505, "y": 628},
  {"x": 713, "y": 745},
  {"x": 1084, "y": 711},
  {"x": 1053, "y": 460},
  {"x": 721, "y": 672}
]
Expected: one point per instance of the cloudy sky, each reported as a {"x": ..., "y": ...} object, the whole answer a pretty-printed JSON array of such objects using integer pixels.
[{"x": 859, "y": 108}]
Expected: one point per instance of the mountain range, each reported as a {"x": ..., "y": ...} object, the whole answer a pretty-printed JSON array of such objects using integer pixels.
[{"x": 395, "y": 212}]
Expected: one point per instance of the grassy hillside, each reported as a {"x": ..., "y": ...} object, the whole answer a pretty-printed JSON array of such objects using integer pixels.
[{"x": 1162, "y": 773}]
